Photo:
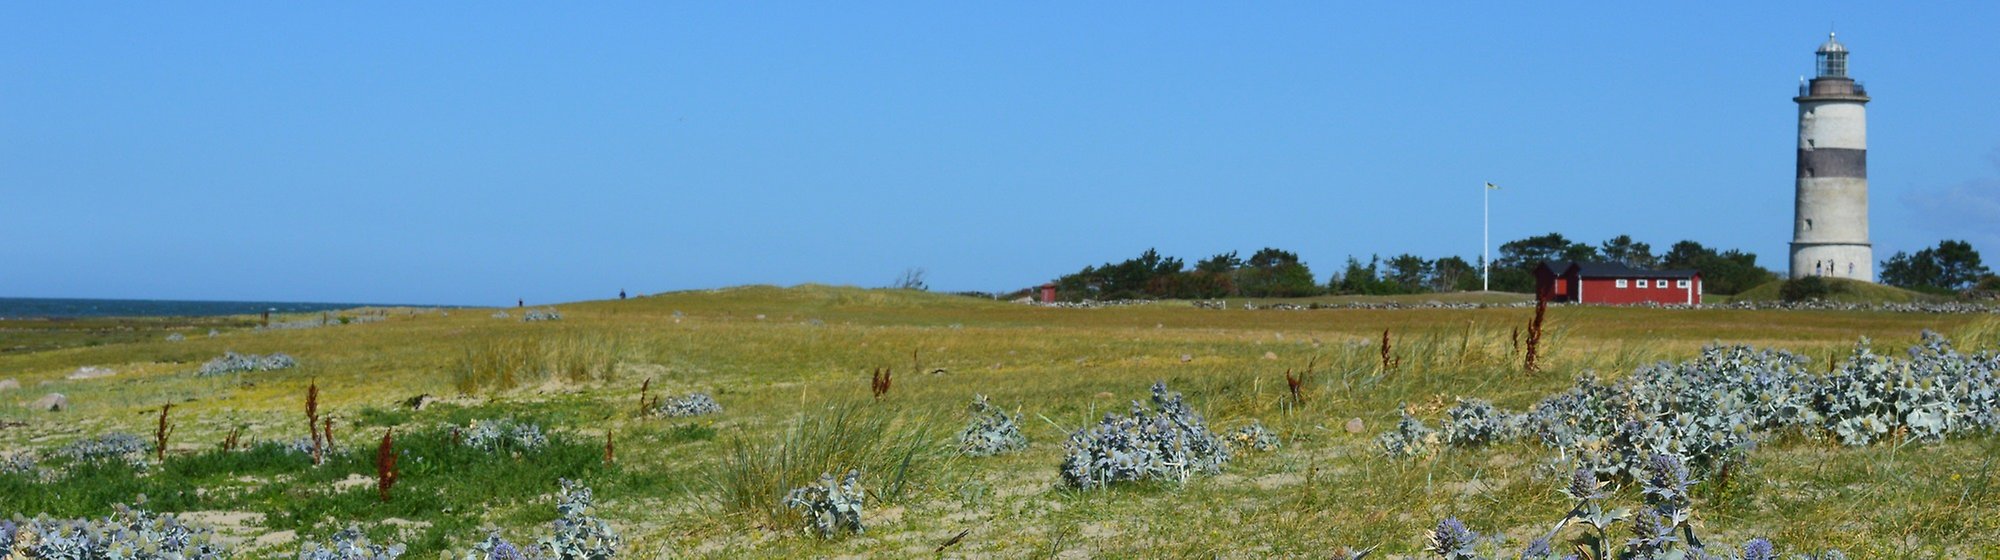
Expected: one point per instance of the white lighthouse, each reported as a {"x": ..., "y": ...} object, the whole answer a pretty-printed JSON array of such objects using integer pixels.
[{"x": 1830, "y": 229}]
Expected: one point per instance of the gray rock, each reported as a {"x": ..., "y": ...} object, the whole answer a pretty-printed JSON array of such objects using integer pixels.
[
  {"x": 1354, "y": 426},
  {"x": 9, "y": 383},
  {"x": 90, "y": 372},
  {"x": 51, "y": 402},
  {"x": 420, "y": 402}
]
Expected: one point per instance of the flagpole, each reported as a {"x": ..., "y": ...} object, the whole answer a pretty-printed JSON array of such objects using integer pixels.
[{"x": 1486, "y": 238}]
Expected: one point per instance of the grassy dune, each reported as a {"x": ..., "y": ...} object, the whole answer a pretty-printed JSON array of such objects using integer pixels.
[
  {"x": 791, "y": 368},
  {"x": 1843, "y": 291}
]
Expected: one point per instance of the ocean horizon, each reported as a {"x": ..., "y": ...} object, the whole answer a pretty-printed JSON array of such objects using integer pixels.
[{"x": 26, "y": 308}]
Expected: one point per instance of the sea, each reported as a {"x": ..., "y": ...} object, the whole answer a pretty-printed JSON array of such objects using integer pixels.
[{"x": 21, "y": 308}]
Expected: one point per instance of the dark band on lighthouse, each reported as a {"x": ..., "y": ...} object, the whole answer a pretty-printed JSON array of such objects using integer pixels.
[{"x": 1833, "y": 162}]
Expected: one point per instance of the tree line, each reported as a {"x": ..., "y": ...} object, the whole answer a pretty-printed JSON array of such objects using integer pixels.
[
  {"x": 1952, "y": 266},
  {"x": 1273, "y": 272}
]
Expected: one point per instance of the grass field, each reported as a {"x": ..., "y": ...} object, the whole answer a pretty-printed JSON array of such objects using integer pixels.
[{"x": 791, "y": 367}]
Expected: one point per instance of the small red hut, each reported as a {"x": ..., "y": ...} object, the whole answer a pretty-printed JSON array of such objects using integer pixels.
[{"x": 1617, "y": 284}]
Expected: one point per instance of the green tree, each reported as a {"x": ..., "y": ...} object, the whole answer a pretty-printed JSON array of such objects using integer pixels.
[
  {"x": 1514, "y": 271},
  {"x": 1728, "y": 272},
  {"x": 1949, "y": 267},
  {"x": 1624, "y": 250},
  {"x": 1686, "y": 254},
  {"x": 1453, "y": 274},
  {"x": 1525, "y": 254},
  {"x": 1223, "y": 263},
  {"x": 1358, "y": 278},
  {"x": 1126, "y": 280},
  {"x": 1274, "y": 272},
  {"x": 1409, "y": 273}
]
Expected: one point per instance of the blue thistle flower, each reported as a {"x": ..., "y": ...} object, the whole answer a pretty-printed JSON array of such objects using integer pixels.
[
  {"x": 1759, "y": 549},
  {"x": 1538, "y": 550},
  {"x": 1583, "y": 485},
  {"x": 1651, "y": 534},
  {"x": 1452, "y": 541}
]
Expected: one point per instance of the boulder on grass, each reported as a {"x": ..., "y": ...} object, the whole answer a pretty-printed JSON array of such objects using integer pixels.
[
  {"x": 51, "y": 402},
  {"x": 9, "y": 383}
]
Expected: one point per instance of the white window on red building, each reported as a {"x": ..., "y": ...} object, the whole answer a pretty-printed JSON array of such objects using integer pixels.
[
  {"x": 1680, "y": 283},
  {"x": 1621, "y": 282},
  {"x": 1642, "y": 282}
]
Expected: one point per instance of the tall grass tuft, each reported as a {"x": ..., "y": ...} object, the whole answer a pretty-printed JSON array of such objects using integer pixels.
[
  {"x": 898, "y": 454},
  {"x": 506, "y": 362}
]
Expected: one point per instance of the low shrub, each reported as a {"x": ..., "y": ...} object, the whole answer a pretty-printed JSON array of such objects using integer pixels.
[
  {"x": 349, "y": 544},
  {"x": 1710, "y": 412},
  {"x": 1660, "y": 529},
  {"x": 1474, "y": 422},
  {"x": 118, "y": 447},
  {"x": 548, "y": 314},
  {"x": 1805, "y": 289},
  {"x": 829, "y": 508},
  {"x": 19, "y": 464},
  {"x": 694, "y": 404},
  {"x": 1410, "y": 438},
  {"x": 575, "y": 534},
  {"x": 232, "y": 362},
  {"x": 503, "y": 436},
  {"x": 126, "y": 533},
  {"x": 992, "y": 431},
  {"x": 1169, "y": 441}
]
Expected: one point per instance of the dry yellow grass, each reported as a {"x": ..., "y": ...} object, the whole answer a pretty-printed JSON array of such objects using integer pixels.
[{"x": 773, "y": 356}]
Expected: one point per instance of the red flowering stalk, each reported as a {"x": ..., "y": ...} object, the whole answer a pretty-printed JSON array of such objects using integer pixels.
[{"x": 385, "y": 464}]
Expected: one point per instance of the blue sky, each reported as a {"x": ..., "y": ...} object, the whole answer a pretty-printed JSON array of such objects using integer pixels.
[{"x": 470, "y": 153}]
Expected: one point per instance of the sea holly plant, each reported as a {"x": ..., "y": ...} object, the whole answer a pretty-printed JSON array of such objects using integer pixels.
[
  {"x": 1167, "y": 441},
  {"x": 992, "y": 431},
  {"x": 1710, "y": 412},
  {"x": 350, "y": 544},
  {"x": 1474, "y": 423},
  {"x": 1410, "y": 438},
  {"x": 502, "y": 436},
  {"x": 1658, "y": 531},
  {"x": 830, "y": 508},
  {"x": 231, "y": 362},
  {"x": 694, "y": 404},
  {"x": 126, "y": 533},
  {"x": 575, "y": 534}
]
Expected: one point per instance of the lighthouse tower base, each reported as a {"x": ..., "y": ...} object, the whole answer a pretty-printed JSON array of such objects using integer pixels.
[{"x": 1852, "y": 261}]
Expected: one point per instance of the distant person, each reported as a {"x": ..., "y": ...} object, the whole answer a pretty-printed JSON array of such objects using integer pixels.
[
  {"x": 621, "y": 294},
  {"x": 520, "y": 303}
]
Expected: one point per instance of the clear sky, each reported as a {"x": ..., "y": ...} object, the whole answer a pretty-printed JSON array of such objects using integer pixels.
[{"x": 473, "y": 153}]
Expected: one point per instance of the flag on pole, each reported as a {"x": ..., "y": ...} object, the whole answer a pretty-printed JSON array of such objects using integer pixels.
[{"x": 1492, "y": 187}]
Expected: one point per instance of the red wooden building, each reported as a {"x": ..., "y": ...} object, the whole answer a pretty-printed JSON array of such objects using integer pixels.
[{"x": 1617, "y": 284}]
